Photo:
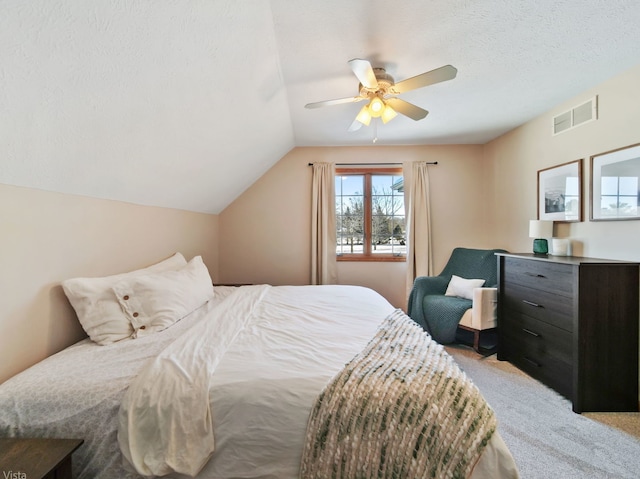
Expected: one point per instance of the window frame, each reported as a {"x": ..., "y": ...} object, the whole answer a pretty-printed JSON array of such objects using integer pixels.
[{"x": 367, "y": 255}]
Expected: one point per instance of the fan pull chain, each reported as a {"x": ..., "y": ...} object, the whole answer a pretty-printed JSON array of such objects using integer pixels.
[{"x": 375, "y": 130}]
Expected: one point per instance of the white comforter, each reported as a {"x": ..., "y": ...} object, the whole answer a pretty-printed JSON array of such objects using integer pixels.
[
  {"x": 260, "y": 393},
  {"x": 298, "y": 339},
  {"x": 165, "y": 421}
]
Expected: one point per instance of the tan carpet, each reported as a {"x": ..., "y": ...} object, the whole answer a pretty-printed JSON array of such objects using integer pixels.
[{"x": 628, "y": 422}]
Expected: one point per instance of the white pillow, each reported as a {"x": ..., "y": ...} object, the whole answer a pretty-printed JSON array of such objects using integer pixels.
[
  {"x": 153, "y": 302},
  {"x": 463, "y": 288},
  {"x": 98, "y": 309}
]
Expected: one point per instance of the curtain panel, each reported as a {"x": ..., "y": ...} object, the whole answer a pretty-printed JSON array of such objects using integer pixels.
[
  {"x": 323, "y": 225},
  {"x": 418, "y": 221}
]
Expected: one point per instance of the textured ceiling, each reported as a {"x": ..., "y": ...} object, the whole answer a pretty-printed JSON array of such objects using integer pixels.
[{"x": 185, "y": 103}]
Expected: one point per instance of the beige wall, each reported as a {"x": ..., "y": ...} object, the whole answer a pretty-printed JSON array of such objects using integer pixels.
[
  {"x": 265, "y": 233},
  {"x": 515, "y": 158},
  {"x": 48, "y": 237}
]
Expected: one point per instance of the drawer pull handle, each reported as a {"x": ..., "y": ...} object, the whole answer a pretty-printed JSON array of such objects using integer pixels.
[
  {"x": 531, "y": 303},
  {"x": 536, "y": 275},
  {"x": 532, "y": 333},
  {"x": 536, "y": 364}
]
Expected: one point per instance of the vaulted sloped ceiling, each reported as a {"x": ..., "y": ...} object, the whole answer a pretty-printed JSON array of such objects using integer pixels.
[{"x": 185, "y": 103}]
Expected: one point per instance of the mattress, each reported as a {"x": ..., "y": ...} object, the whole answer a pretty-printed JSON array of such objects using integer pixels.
[{"x": 261, "y": 392}]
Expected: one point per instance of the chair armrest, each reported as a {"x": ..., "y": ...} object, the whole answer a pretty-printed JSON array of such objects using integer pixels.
[
  {"x": 424, "y": 286},
  {"x": 483, "y": 310}
]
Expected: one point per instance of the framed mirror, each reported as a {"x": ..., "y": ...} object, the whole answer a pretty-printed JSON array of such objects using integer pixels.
[{"x": 615, "y": 185}]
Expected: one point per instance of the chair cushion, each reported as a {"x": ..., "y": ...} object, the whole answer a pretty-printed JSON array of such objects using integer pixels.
[{"x": 442, "y": 315}]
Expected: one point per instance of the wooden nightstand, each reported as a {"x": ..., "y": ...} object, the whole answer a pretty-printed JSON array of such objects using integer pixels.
[{"x": 37, "y": 458}]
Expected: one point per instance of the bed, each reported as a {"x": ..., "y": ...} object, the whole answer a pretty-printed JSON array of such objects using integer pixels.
[{"x": 273, "y": 352}]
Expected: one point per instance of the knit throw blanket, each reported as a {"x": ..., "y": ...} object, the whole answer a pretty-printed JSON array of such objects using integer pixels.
[{"x": 401, "y": 409}]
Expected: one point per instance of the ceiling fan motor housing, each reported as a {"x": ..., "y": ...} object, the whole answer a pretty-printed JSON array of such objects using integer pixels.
[{"x": 385, "y": 82}]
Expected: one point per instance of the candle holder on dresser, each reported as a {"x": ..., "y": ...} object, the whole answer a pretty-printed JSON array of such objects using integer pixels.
[{"x": 540, "y": 230}]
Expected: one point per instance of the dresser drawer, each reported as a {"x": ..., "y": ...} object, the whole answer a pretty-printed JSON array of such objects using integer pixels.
[
  {"x": 540, "y": 337},
  {"x": 551, "y": 308},
  {"x": 538, "y": 363},
  {"x": 540, "y": 275}
]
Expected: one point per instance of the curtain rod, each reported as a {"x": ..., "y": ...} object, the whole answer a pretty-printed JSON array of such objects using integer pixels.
[{"x": 375, "y": 164}]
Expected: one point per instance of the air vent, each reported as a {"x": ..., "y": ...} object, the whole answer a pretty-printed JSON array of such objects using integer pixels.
[{"x": 578, "y": 115}]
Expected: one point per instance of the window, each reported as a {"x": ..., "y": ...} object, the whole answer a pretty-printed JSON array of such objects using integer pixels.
[{"x": 370, "y": 217}]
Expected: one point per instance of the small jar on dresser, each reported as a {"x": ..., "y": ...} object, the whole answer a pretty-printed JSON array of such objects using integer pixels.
[{"x": 572, "y": 323}]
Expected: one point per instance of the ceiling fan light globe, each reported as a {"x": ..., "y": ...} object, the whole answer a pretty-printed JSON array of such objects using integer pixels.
[
  {"x": 388, "y": 114},
  {"x": 376, "y": 107},
  {"x": 364, "y": 116}
]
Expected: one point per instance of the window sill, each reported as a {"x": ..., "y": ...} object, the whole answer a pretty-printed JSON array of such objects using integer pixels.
[{"x": 372, "y": 258}]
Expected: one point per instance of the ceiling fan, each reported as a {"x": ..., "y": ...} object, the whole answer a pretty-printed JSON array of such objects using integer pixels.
[{"x": 379, "y": 88}]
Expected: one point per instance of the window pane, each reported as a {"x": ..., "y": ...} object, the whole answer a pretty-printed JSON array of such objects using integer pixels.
[
  {"x": 387, "y": 218},
  {"x": 349, "y": 185},
  {"x": 380, "y": 244},
  {"x": 398, "y": 205},
  {"x": 381, "y": 228},
  {"x": 381, "y": 182},
  {"x": 385, "y": 245},
  {"x": 390, "y": 237},
  {"x": 398, "y": 228},
  {"x": 352, "y": 204},
  {"x": 382, "y": 205},
  {"x": 349, "y": 214},
  {"x": 398, "y": 184},
  {"x": 386, "y": 200},
  {"x": 350, "y": 244}
]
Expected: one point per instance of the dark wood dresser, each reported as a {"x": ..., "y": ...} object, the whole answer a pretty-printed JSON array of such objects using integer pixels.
[{"x": 572, "y": 323}]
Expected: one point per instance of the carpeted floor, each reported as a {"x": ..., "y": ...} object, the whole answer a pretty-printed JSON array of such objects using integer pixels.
[
  {"x": 547, "y": 439},
  {"x": 628, "y": 422}
]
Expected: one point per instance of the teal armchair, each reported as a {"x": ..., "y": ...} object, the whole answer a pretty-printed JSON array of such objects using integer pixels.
[{"x": 441, "y": 315}]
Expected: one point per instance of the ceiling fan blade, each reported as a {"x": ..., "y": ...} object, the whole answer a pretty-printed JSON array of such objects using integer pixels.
[
  {"x": 318, "y": 104},
  {"x": 362, "y": 69},
  {"x": 438, "y": 75},
  {"x": 407, "y": 109},
  {"x": 355, "y": 126}
]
